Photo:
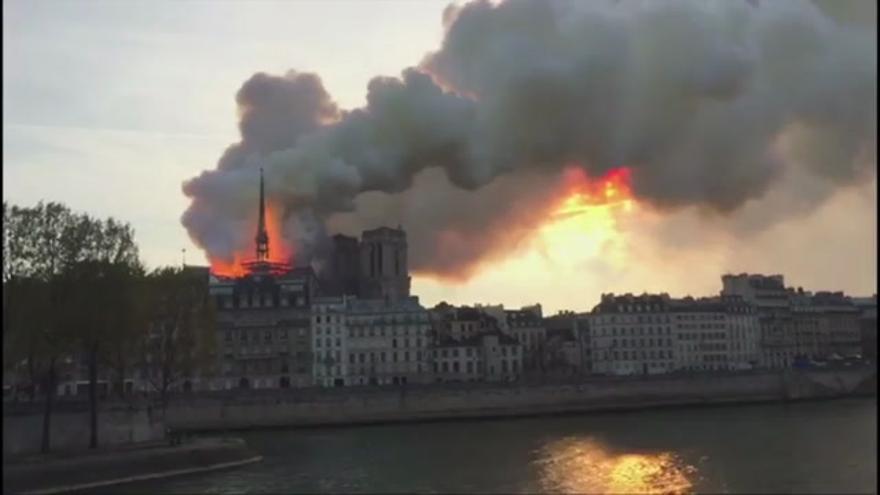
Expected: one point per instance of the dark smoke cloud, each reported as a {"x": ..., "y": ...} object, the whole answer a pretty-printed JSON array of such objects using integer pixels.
[
  {"x": 452, "y": 231},
  {"x": 275, "y": 111},
  {"x": 709, "y": 104}
]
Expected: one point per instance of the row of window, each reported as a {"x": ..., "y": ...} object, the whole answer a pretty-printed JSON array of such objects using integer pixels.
[
  {"x": 404, "y": 343},
  {"x": 381, "y": 331},
  {"x": 389, "y": 319},
  {"x": 632, "y": 331},
  {"x": 626, "y": 355},
  {"x": 702, "y": 326},
  {"x": 362, "y": 357},
  {"x": 257, "y": 301},
  {"x": 334, "y": 371},
  {"x": 713, "y": 347},
  {"x": 472, "y": 351},
  {"x": 253, "y": 335},
  {"x": 454, "y": 367},
  {"x": 702, "y": 336},
  {"x": 714, "y": 358},
  {"x": 329, "y": 319},
  {"x": 640, "y": 367},
  {"x": 641, "y": 342},
  {"x": 327, "y": 357},
  {"x": 327, "y": 342},
  {"x": 658, "y": 318},
  {"x": 329, "y": 330},
  {"x": 700, "y": 317},
  {"x": 629, "y": 308},
  {"x": 632, "y": 319},
  {"x": 530, "y": 338}
]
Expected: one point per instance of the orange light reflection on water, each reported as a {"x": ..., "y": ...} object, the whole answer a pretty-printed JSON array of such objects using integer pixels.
[{"x": 585, "y": 466}]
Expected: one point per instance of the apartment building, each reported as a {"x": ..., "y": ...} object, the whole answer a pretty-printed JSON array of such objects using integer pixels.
[
  {"x": 632, "y": 335},
  {"x": 719, "y": 333},
  {"x": 489, "y": 356},
  {"x": 387, "y": 342},
  {"x": 526, "y": 325},
  {"x": 263, "y": 329},
  {"x": 330, "y": 340}
]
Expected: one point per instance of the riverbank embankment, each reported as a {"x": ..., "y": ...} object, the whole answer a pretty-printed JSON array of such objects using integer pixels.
[
  {"x": 346, "y": 406},
  {"x": 85, "y": 471},
  {"x": 119, "y": 424}
]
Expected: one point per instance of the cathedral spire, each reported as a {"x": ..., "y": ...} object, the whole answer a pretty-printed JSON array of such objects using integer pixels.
[{"x": 262, "y": 238}]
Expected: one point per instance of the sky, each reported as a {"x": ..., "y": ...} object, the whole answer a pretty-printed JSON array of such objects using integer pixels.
[{"x": 109, "y": 106}]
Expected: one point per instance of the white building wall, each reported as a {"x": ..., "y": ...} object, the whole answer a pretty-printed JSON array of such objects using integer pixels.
[
  {"x": 329, "y": 341},
  {"x": 387, "y": 346},
  {"x": 744, "y": 335},
  {"x": 632, "y": 343},
  {"x": 702, "y": 340},
  {"x": 457, "y": 363}
]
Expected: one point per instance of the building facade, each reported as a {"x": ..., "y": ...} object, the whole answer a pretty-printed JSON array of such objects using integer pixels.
[
  {"x": 867, "y": 307},
  {"x": 838, "y": 322},
  {"x": 526, "y": 325},
  {"x": 387, "y": 342},
  {"x": 264, "y": 330},
  {"x": 564, "y": 345},
  {"x": 329, "y": 317},
  {"x": 632, "y": 335},
  {"x": 490, "y": 356},
  {"x": 715, "y": 334}
]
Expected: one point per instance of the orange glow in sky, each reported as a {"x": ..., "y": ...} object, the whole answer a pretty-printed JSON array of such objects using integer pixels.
[
  {"x": 580, "y": 230},
  {"x": 584, "y": 224}
]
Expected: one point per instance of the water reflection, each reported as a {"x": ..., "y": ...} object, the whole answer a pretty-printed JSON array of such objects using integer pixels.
[{"x": 578, "y": 465}]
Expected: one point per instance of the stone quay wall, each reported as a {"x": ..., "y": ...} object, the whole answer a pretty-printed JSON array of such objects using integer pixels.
[
  {"x": 70, "y": 430},
  {"x": 295, "y": 408}
]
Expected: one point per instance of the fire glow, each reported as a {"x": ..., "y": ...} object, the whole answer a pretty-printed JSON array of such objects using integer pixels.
[
  {"x": 280, "y": 251},
  {"x": 577, "y": 227},
  {"x": 583, "y": 224},
  {"x": 612, "y": 189}
]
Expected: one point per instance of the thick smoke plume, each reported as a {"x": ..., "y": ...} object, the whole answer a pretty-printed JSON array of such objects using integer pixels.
[{"x": 709, "y": 104}]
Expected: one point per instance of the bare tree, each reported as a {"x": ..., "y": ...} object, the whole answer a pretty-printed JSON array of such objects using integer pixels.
[
  {"x": 179, "y": 339},
  {"x": 66, "y": 279}
]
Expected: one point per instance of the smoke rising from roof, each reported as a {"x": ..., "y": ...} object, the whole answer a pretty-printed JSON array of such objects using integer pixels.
[{"x": 710, "y": 104}]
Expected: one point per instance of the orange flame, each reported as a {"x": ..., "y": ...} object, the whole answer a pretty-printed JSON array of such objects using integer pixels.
[
  {"x": 613, "y": 188},
  {"x": 229, "y": 269},
  {"x": 280, "y": 251}
]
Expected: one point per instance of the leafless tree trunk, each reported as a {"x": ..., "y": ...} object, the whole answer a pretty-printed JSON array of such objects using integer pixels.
[
  {"x": 93, "y": 396},
  {"x": 32, "y": 376},
  {"x": 47, "y": 414}
]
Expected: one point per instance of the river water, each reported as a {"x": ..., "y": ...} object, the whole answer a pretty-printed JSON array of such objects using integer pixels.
[{"x": 808, "y": 447}]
